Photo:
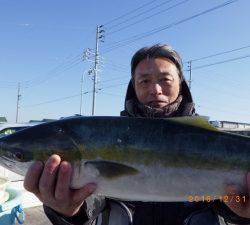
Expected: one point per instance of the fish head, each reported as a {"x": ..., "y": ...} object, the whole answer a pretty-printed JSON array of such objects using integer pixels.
[
  {"x": 15, "y": 159},
  {"x": 39, "y": 142}
]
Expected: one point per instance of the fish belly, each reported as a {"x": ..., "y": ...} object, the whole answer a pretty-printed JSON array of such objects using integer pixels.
[{"x": 159, "y": 183}]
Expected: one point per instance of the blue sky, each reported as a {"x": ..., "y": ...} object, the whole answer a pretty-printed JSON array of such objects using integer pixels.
[{"x": 42, "y": 43}]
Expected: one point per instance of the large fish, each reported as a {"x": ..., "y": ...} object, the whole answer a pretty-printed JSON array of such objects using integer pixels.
[{"x": 137, "y": 158}]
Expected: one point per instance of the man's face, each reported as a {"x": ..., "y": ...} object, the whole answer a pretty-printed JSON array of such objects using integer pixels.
[{"x": 157, "y": 82}]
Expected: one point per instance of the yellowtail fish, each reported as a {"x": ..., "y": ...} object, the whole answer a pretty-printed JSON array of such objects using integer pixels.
[{"x": 137, "y": 158}]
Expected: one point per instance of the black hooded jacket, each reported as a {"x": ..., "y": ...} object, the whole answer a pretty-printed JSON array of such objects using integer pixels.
[{"x": 186, "y": 107}]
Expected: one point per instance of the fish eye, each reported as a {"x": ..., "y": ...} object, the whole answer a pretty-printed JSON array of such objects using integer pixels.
[
  {"x": 18, "y": 155},
  {"x": 59, "y": 130}
]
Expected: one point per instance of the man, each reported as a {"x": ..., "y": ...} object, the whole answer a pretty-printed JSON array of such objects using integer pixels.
[{"x": 157, "y": 89}]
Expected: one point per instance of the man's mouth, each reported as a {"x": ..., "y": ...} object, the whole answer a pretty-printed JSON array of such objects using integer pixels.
[{"x": 157, "y": 104}]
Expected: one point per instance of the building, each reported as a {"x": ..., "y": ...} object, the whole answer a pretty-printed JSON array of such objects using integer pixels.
[
  {"x": 235, "y": 127},
  {"x": 3, "y": 119}
]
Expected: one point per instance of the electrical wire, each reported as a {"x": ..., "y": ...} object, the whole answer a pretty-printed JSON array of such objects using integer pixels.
[
  {"x": 106, "y": 93},
  {"x": 117, "y": 78},
  {"x": 223, "y": 110},
  {"x": 218, "y": 91},
  {"x": 142, "y": 13},
  {"x": 55, "y": 100},
  {"x": 145, "y": 18},
  {"x": 220, "y": 62},
  {"x": 217, "y": 54},
  {"x": 53, "y": 73},
  {"x": 134, "y": 38},
  {"x": 128, "y": 13},
  {"x": 72, "y": 96}
]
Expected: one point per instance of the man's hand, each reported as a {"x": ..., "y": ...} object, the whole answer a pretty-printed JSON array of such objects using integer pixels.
[
  {"x": 50, "y": 183},
  {"x": 242, "y": 206}
]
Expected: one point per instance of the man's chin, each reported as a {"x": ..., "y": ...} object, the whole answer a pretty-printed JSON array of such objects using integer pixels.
[{"x": 158, "y": 105}]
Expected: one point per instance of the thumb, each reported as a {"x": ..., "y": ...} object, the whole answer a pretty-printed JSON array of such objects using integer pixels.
[
  {"x": 232, "y": 189},
  {"x": 81, "y": 194}
]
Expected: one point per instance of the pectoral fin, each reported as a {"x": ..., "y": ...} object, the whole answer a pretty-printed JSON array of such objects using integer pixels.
[{"x": 109, "y": 169}]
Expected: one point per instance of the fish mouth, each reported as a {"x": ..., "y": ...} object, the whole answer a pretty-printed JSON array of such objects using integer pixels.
[
  {"x": 15, "y": 166},
  {"x": 14, "y": 152},
  {"x": 7, "y": 162}
]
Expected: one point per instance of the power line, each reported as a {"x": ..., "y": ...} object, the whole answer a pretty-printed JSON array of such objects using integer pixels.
[
  {"x": 106, "y": 93},
  {"x": 111, "y": 86},
  {"x": 120, "y": 66},
  {"x": 8, "y": 87},
  {"x": 68, "y": 63},
  {"x": 8, "y": 84},
  {"x": 115, "y": 85},
  {"x": 117, "y": 78},
  {"x": 72, "y": 96},
  {"x": 109, "y": 67},
  {"x": 216, "y": 103},
  {"x": 56, "y": 100},
  {"x": 142, "y": 13},
  {"x": 223, "y": 110},
  {"x": 69, "y": 60},
  {"x": 226, "y": 80},
  {"x": 148, "y": 17},
  {"x": 219, "y": 53},
  {"x": 128, "y": 13},
  {"x": 134, "y": 38},
  {"x": 55, "y": 72},
  {"x": 220, "y": 62},
  {"x": 223, "y": 92}
]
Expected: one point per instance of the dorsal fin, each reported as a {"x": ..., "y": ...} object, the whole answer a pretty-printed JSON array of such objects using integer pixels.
[{"x": 196, "y": 121}]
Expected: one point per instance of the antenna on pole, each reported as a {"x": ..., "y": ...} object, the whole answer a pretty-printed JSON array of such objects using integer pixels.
[{"x": 18, "y": 101}]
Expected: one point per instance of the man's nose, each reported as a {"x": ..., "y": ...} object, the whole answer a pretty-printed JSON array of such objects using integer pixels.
[{"x": 155, "y": 89}]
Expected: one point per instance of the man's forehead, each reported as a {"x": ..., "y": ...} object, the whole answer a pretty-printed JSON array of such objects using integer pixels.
[{"x": 159, "y": 65}]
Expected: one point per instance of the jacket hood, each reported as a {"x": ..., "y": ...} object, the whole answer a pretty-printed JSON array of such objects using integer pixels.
[{"x": 186, "y": 107}]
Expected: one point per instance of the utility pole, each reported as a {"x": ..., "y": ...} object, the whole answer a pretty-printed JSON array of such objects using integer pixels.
[
  {"x": 18, "y": 100},
  {"x": 82, "y": 78},
  {"x": 190, "y": 74},
  {"x": 99, "y": 36},
  {"x": 81, "y": 93}
]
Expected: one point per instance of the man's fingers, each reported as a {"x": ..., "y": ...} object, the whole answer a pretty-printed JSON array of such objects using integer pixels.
[
  {"x": 81, "y": 194},
  {"x": 232, "y": 190},
  {"x": 48, "y": 178},
  {"x": 62, "y": 186},
  {"x": 31, "y": 180},
  {"x": 248, "y": 183}
]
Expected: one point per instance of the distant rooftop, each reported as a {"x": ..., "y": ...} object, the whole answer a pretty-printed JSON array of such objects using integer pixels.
[
  {"x": 231, "y": 122},
  {"x": 3, "y": 119},
  {"x": 43, "y": 120},
  {"x": 230, "y": 125}
]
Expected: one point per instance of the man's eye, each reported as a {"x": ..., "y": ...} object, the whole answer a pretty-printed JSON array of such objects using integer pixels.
[
  {"x": 166, "y": 79},
  {"x": 144, "y": 81}
]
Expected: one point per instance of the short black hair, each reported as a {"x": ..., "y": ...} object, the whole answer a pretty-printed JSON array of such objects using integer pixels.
[{"x": 157, "y": 51}]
